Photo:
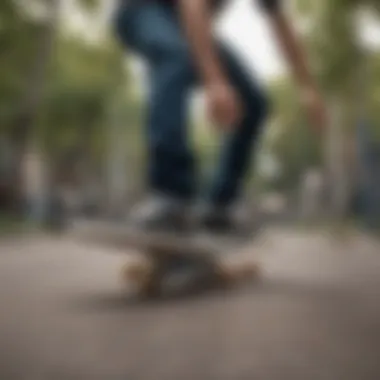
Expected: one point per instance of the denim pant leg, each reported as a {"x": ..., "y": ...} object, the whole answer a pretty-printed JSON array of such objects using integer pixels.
[
  {"x": 152, "y": 30},
  {"x": 238, "y": 147}
]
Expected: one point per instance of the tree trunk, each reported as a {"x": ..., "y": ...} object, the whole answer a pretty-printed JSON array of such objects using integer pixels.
[{"x": 336, "y": 166}]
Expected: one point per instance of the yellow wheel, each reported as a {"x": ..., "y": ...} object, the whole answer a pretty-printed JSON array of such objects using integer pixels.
[{"x": 143, "y": 277}]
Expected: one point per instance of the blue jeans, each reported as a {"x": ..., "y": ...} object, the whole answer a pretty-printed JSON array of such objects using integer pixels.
[{"x": 153, "y": 31}]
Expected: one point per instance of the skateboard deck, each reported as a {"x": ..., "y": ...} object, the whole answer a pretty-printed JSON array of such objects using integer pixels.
[{"x": 186, "y": 262}]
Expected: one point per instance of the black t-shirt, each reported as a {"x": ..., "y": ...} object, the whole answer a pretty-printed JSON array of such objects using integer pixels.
[{"x": 268, "y": 5}]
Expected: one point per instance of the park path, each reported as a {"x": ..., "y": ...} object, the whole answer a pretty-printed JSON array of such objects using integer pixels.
[{"x": 314, "y": 316}]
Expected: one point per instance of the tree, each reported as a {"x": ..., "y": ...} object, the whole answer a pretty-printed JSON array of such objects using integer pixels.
[
  {"x": 336, "y": 52},
  {"x": 28, "y": 38},
  {"x": 34, "y": 26},
  {"x": 293, "y": 143}
]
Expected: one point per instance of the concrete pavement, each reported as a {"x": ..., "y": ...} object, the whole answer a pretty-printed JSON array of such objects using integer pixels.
[{"x": 314, "y": 316}]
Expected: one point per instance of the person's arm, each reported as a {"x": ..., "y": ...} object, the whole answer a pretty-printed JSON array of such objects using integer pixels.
[
  {"x": 294, "y": 54},
  {"x": 196, "y": 16},
  {"x": 291, "y": 47},
  {"x": 223, "y": 103}
]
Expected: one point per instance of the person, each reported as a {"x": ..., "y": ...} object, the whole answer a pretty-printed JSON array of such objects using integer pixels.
[{"x": 176, "y": 39}]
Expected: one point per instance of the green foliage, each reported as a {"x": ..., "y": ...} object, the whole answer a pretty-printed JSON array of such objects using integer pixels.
[
  {"x": 85, "y": 83},
  {"x": 335, "y": 52},
  {"x": 90, "y": 5},
  {"x": 333, "y": 43},
  {"x": 294, "y": 144},
  {"x": 87, "y": 86},
  {"x": 18, "y": 41}
]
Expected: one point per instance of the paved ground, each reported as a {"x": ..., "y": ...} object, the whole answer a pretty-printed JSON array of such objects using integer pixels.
[{"x": 314, "y": 316}]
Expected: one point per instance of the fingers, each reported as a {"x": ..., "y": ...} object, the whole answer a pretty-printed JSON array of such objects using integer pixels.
[
  {"x": 225, "y": 114},
  {"x": 224, "y": 106}
]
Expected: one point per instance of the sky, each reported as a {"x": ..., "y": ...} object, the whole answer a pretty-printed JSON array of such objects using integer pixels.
[{"x": 246, "y": 27}]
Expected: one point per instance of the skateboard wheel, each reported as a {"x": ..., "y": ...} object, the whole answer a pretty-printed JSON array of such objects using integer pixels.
[
  {"x": 250, "y": 270},
  {"x": 135, "y": 273},
  {"x": 230, "y": 275},
  {"x": 143, "y": 277}
]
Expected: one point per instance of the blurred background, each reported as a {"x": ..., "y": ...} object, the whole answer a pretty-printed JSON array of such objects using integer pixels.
[
  {"x": 71, "y": 146},
  {"x": 72, "y": 108}
]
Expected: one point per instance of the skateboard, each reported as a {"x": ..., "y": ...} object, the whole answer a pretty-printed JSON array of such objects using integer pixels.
[{"x": 174, "y": 263}]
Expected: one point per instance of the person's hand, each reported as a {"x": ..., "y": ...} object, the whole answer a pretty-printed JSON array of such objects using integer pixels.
[
  {"x": 223, "y": 104},
  {"x": 315, "y": 107}
]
